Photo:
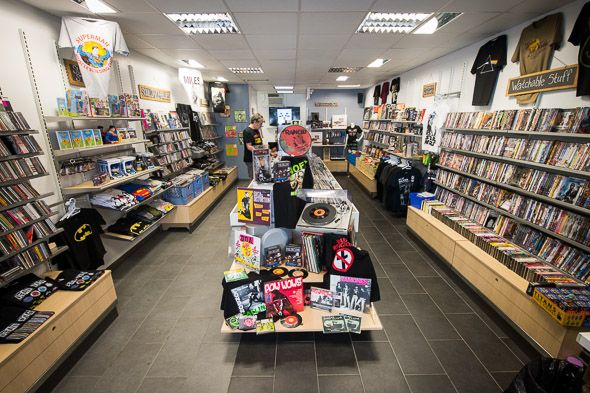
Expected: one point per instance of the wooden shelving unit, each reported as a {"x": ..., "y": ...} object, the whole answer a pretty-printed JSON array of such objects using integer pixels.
[
  {"x": 88, "y": 187},
  {"x": 97, "y": 150}
]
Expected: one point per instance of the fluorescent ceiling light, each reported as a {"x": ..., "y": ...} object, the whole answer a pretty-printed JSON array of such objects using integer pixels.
[
  {"x": 192, "y": 63},
  {"x": 96, "y": 6},
  {"x": 389, "y": 22},
  {"x": 284, "y": 91},
  {"x": 218, "y": 23},
  {"x": 349, "y": 86},
  {"x": 283, "y": 87},
  {"x": 342, "y": 78},
  {"x": 378, "y": 63},
  {"x": 221, "y": 79},
  {"x": 436, "y": 22},
  {"x": 246, "y": 70},
  {"x": 346, "y": 70}
]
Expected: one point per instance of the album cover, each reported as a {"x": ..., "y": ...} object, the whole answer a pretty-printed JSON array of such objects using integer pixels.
[
  {"x": 283, "y": 297},
  {"x": 261, "y": 165},
  {"x": 235, "y": 275},
  {"x": 355, "y": 293},
  {"x": 353, "y": 323},
  {"x": 249, "y": 298},
  {"x": 334, "y": 324},
  {"x": 254, "y": 206},
  {"x": 322, "y": 299},
  {"x": 273, "y": 256},
  {"x": 280, "y": 171},
  {"x": 63, "y": 140},
  {"x": 246, "y": 322},
  {"x": 62, "y": 107},
  {"x": 293, "y": 255},
  {"x": 247, "y": 250},
  {"x": 265, "y": 326}
]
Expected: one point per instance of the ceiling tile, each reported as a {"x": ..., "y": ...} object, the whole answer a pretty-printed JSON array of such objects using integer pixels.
[
  {"x": 134, "y": 42},
  {"x": 502, "y": 23},
  {"x": 262, "y": 5},
  {"x": 323, "y": 41},
  {"x": 240, "y": 63},
  {"x": 254, "y": 23},
  {"x": 340, "y": 5},
  {"x": 145, "y": 23},
  {"x": 408, "y": 5},
  {"x": 326, "y": 55},
  {"x": 373, "y": 41},
  {"x": 357, "y": 57},
  {"x": 272, "y": 41},
  {"x": 236, "y": 54},
  {"x": 330, "y": 22},
  {"x": 167, "y": 41},
  {"x": 468, "y": 21},
  {"x": 221, "y": 41},
  {"x": 276, "y": 54},
  {"x": 539, "y": 7},
  {"x": 480, "y": 5},
  {"x": 425, "y": 41},
  {"x": 172, "y": 6},
  {"x": 131, "y": 5}
]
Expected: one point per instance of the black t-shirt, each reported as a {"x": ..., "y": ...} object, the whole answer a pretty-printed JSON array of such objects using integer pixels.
[
  {"x": 17, "y": 323},
  {"x": 287, "y": 207},
  {"x": 376, "y": 94},
  {"x": 353, "y": 133},
  {"x": 488, "y": 63},
  {"x": 344, "y": 259},
  {"x": 82, "y": 236},
  {"x": 76, "y": 280},
  {"x": 27, "y": 291},
  {"x": 399, "y": 186},
  {"x": 253, "y": 137},
  {"x": 395, "y": 88},
  {"x": 580, "y": 36},
  {"x": 129, "y": 226},
  {"x": 245, "y": 296}
]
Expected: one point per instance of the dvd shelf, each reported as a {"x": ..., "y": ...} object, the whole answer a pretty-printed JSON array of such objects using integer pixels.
[{"x": 172, "y": 150}]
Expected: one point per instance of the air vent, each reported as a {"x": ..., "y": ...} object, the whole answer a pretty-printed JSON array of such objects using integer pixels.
[
  {"x": 348, "y": 70},
  {"x": 275, "y": 100}
]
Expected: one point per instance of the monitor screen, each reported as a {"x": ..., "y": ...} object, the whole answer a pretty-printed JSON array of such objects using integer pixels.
[{"x": 283, "y": 116}]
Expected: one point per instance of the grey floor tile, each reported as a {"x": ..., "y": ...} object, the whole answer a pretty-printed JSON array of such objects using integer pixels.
[
  {"x": 153, "y": 331},
  {"x": 296, "y": 361},
  {"x": 430, "y": 384},
  {"x": 305, "y": 337},
  {"x": 163, "y": 385},
  {"x": 379, "y": 368},
  {"x": 214, "y": 335},
  {"x": 335, "y": 354},
  {"x": 504, "y": 379},
  {"x": 429, "y": 318},
  {"x": 251, "y": 385},
  {"x": 391, "y": 302},
  {"x": 403, "y": 280},
  {"x": 410, "y": 346},
  {"x": 213, "y": 367},
  {"x": 443, "y": 295},
  {"x": 399, "y": 243},
  {"x": 255, "y": 358},
  {"x": 463, "y": 368},
  {"x": 370, "y": 335},
  {"x": 341, "y": 384},
  {"x": 522, "y": 349},
  {"x": 72, "y": 384},
  {"x": 169, "y": 307},
  {"x": 487, "y": 346},
  {"x": 384, "y": 253},
  {"x": 421, "y": 268}
]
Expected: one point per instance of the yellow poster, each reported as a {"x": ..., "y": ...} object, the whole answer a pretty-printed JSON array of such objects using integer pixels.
[
  {"x": 245, "y": 205},
  {"x": 231, "y": 150}
]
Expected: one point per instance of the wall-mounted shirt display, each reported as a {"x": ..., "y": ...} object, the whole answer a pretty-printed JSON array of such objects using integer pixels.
[
  {"x": 535, "y": 49},
  {"x": 395, "y": 88},
  {"x": 434, "y": 120},
  {"x": 376, "y": 94},
  {"x": 95, "y": 41},
  {"x": 192, "y": 81},
  {"x": 218, "y": 91},
  {"x": 580, "y": 36},
  {"x": 490, "y": 60},
  {"x": 384, "y": 92}
]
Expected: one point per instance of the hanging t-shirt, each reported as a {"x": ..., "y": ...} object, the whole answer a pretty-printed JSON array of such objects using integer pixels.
[
  {"x": 535, "y": 49},
  {"x": 344, "y": 259},
  {"x": 490, "y": 60},
  {"x": 94, "y": 42},
  {"x": 580, "y": 36},
  {"x": 376, "y": 95},
  {"x": 399, "y": 186},
  {"x": 287, "y": 207},
  {"x": 433, "y": 124},
  {"x": 353, "y": 134},
  {"x": 82, "y": 236},
  {"x": 251, "y": 136},
  {"x": 395, "y": 88},
  {"x": 384, "y": 92}
]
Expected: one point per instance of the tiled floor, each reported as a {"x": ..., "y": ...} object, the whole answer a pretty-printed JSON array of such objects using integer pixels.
[{"x": 439, "y": 336}]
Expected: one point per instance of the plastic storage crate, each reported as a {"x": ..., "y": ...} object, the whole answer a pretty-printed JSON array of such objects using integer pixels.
[
  {"x": 416, "y": 198},
  {"x": 181, "y": 193},
  {"x": 198, "y": 185},
  {"x": 352, "y": 158},
  {"x": 564, "y": 318}
]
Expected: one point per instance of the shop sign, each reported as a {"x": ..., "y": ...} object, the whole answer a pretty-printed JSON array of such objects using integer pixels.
[
  {"x": 153, "y": 94},
  {"x": 555, "y": 79},
  {"x": 429, "y": 90},
  {"x": 326, "y": 104}
]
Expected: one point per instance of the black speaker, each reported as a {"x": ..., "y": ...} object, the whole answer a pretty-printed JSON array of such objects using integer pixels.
[{"x": 360, "y": 98}]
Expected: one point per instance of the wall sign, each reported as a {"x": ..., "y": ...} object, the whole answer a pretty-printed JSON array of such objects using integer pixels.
[
  {"x": 74, "y": 74},
  {"x": 555, "y": 79},
  {"x": 429, "y": 90},
  {"x": 153, "y": 94},
  {"x": 192, "y": 81},
  {"x": 326, "y": 104}
]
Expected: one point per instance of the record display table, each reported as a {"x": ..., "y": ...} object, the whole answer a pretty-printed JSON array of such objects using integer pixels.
[
  {"x": 369, "y": 184},
  {"x": 311, "y": 318},
  {"x": 26, "y": 365},
  {"x": 499, "y": 286},
  {"x": 185, "y": 216}
]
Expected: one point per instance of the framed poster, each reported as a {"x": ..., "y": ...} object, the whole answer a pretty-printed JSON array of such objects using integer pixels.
[
  {"x": 240, "y": 116},
  {"x": 230, "y": 131},
  {"x": 429, "y": 90},
  {"x": 74, "y": 74},
  {"x": 231, "y": 150}
]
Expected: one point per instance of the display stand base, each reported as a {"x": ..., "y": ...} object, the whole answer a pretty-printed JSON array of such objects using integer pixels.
[
  {"x": 185, "y": 216},
  {"x": 369, "y": 184},
  {"x": 336, "y": 166},
  {"x": 26, "y": 365},
  {"x": 502, "y": 288}
]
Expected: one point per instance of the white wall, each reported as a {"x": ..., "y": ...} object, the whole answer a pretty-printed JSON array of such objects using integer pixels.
[
  {"x": 42, "y": 31},
  {"x": 452, "y": 73}
]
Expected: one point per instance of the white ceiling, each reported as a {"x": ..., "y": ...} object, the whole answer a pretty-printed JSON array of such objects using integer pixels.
[{"x": 296, "y": 41}]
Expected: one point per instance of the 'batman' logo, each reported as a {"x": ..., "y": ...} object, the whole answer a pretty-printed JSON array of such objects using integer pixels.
[{"x": 82, "y": 233}]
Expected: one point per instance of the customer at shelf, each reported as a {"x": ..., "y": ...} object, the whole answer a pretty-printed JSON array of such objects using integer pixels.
[{"x": 252, "y": 137}]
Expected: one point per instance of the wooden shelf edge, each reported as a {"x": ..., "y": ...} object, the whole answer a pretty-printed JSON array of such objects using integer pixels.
[{"x": 80, "y": 189}]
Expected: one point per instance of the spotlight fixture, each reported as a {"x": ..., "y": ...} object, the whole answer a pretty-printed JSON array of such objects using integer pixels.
[
  {"x": 221, "y": 79},
  {"x": 246, "y": 70},
  {"x": 96, "y": 6},
  {"x": 218, "y": 23},
  {"x": 342, "y": 78},
  {"x": 192, "y": 63},
  {"x": 389, "y": 22},
  {"x": 378, "y": 63}
]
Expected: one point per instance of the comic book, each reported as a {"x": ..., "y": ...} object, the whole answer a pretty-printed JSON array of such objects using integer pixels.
[
  {"x": 355, "y": 293},
  {"x": 247, "y": 250},
  {"x": 283, "y": 297}
]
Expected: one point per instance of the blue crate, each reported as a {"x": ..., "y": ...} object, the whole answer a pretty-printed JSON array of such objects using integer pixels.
[
  {"x": 352, "y": 158},
  {"x": 205, "y": 180},
  {"x": 198, "y": 186},
  {"x": 416, "y": 199},
  {"x": 180, "y": 194}
]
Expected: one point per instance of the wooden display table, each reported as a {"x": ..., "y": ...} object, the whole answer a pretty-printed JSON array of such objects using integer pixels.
[
  {"x": 369, "y": 183},
  {"x": 500, "y": 286},
  {"x": 26, "y": 365},
  {"x": 336, "y": 166},
  {"x": 185, "y": 216}
]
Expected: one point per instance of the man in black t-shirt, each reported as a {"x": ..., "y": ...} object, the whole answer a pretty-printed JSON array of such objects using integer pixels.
[{"x": 252, "y": 137}]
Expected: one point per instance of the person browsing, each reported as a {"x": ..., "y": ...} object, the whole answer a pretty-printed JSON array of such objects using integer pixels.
[{"x": 252, "y": 137}]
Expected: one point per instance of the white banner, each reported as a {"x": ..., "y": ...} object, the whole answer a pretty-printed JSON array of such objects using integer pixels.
[{"x": 192, "y": 81}]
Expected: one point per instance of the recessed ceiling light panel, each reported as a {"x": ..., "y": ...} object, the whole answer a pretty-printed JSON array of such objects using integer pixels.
[
  {"x": 342, "y": 78},
  {"x": 389, "y": 22},
  {"x": 96, "y": 6},
  {"x": 283, "y": 87},
  {"x": 192, "y": 63},
  {"x": 219, "y": 23},
  {"x": 346, "y": 70},
  {"x": 378, "y": 63},
  {"x": 349, "y": 86},
  {"x": 246, "y": 70},
  {"x": 436, "y": 22}
]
